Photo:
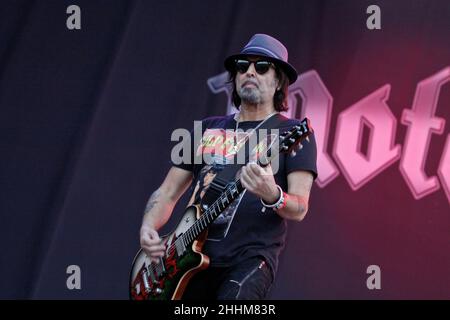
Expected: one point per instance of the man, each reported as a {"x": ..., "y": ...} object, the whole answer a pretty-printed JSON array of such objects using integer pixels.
[{"x": 245, "y": 241}]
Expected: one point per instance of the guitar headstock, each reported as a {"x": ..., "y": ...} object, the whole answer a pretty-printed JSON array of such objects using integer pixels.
[
  {"x": 288, "y": 141},
  {"x": 291, "y": 140}
]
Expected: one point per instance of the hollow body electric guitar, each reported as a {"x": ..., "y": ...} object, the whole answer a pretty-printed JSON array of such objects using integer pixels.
[{"x": 183, "y": 258}]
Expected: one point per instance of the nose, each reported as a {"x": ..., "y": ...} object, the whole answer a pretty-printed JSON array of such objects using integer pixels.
[{"x": 251, "y": 70}]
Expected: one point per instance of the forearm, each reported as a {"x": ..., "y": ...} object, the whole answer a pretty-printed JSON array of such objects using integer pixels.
[
  {"x": 260, "y": 181},
  {"x": 296, "y": 205},
  {"x": 295, "y": 209},
  {"x": 158, "y": 210}
]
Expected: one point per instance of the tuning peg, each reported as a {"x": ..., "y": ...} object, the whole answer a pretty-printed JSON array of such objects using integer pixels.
[
  {"x": 293, "y": 153},
  {"x": 307, "y": 139},
  {"x": 292, "y": 140},
  {"x": 300, "y": 146}
]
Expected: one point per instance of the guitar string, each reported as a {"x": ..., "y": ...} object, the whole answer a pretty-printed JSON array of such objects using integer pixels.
[
  {"x": 172, "y": 246},
  {"x": 198, "y": 223}
]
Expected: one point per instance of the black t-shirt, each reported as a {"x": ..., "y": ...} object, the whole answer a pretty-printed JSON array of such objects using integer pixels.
[{"x": 243, "y": 230}]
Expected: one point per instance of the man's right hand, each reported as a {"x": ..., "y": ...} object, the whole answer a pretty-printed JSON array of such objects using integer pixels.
[{"x": 152, "y": 244}]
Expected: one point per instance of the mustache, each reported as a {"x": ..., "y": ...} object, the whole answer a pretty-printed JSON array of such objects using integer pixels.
[{"x": 249, "y": 81}]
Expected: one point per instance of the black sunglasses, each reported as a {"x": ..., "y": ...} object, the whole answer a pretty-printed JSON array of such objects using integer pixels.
[{"x": 261, "y": 66}]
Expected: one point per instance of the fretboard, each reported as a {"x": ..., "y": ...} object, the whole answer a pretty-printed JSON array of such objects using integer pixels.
[{"x": 231, "y": 193}]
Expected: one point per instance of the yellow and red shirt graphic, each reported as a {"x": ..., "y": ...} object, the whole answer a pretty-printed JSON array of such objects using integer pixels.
[{"x": 225, "y": 143}]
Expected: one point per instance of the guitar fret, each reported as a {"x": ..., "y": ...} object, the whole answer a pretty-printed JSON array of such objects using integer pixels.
[
  {"x": 184, "y": 244},
  {"x": 178, "y": 246},
  {"x": 210, "y": 215},
  {"x": 224, "y": 201}
]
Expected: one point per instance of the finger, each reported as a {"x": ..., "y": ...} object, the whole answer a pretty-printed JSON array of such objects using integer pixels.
[
  {"x": 151, "y": 252},
  {"x": 243, "y": 182},
  {"x": 255, "y": 169},
  {"x": 150, "y": 244},
  {"x": 242, "y": 178},
  {"x": 247, "y": 180},
  {"x": 157, "y": 247},
  {"x": 157, "y": 254},
  {"x": 148, "y": 252},
  {"x": 151, "y": 240},
  {"x": 248, "y": 172}
]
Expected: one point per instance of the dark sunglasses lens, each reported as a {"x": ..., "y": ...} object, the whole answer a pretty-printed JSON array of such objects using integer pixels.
[
  {"x": 242, "y": 66},
  {"x": 262, "y": 66}
]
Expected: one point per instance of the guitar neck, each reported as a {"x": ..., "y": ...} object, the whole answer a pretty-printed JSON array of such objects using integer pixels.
[{"x": 231, "y": 193}]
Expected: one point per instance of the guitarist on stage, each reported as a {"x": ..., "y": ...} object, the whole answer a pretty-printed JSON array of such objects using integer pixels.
[{"x": 245, "y": 241}]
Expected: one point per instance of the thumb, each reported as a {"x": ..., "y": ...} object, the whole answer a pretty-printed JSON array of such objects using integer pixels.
[{"x": 153, "y": 234}]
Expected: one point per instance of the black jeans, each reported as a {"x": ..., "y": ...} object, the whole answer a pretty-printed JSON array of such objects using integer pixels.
[{"x": 248, "y": 280}]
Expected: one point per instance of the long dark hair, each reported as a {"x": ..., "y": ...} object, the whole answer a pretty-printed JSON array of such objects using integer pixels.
[{"x": 279, "y": 98}]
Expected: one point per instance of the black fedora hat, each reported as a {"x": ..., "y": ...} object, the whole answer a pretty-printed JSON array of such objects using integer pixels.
[{"x": 263, "y": 45}]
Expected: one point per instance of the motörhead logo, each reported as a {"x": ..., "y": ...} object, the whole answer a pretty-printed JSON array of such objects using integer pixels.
[{"x": 371, "y": 113}]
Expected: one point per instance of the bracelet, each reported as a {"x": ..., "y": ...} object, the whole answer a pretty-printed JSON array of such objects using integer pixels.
[{"x": 279, "y": 204}]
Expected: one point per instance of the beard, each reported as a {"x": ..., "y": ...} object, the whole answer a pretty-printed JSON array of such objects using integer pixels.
[{"x": 250, "y": 95}]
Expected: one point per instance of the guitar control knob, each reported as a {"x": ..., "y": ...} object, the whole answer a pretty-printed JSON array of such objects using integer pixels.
[{"x": 158, "y": 291}]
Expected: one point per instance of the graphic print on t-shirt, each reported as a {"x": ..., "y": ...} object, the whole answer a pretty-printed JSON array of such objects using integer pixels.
[{"x": 218, "y": 147}]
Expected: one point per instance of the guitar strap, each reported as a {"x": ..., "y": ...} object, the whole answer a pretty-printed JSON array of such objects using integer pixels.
[{"x": 228, "y": 174}]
